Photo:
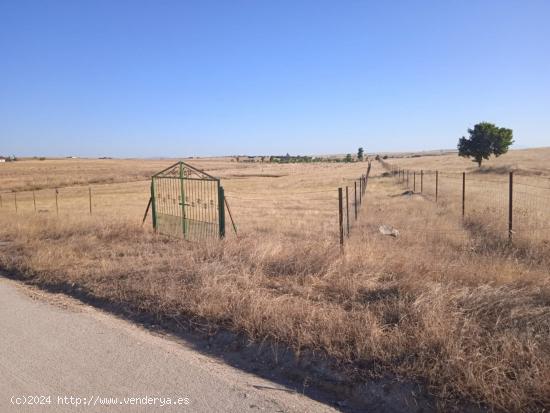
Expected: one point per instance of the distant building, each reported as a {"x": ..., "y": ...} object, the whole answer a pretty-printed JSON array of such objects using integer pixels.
[{"x": 2, "y": 159}]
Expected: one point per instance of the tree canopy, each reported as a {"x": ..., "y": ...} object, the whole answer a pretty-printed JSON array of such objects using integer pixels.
[{"x": 485, "y": 140}]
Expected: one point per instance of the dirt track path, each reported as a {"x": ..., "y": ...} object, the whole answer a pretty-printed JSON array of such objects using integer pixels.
[{"x": 53, "y": 345}]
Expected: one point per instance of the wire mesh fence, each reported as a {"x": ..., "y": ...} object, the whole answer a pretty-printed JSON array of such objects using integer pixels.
[
  {"x": 327, "y": 212},
  {"x": 262, "y": 210},
  {"x": 106, "y": 200},
  {"x": 509, "y": 207}
]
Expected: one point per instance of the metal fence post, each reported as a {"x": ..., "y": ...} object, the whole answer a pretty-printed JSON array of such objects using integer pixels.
[
  {"x": 407, "y": 178},
  {"x": 355, "y": 198},
  {"x": 1, "y": 206},
  {"x": 153, "y": 205},
  {"x": 56, "y": 203},
  {"x": 463, "y": 194},
  {"x": 436, "y": 185},
  {"x": 185, "y": 221},
  {"x": 510, "y": 206},
  {"x": 34, "y": 200},
  {"x": 90, "y": 194},
  {"x": 360, "y": 191},
  {"x": 347, "y": 210},
  {"x": 221, "y": 206},
  {"x": 414, "y": 181},
  {"x": 421, "y": 180},
  {"x": 15, "y": 200},
  {"x": 340, "y": 217}
]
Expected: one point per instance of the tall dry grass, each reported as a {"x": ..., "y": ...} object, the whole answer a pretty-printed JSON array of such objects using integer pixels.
[
  {"x": 486, "y": 193},
  {"x": 435, "y": 304}
]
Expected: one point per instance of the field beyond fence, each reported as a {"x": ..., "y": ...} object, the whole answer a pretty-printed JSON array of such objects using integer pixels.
[
  {"x": 326, "y": 200},
  {"x": 507, "y": 206}
]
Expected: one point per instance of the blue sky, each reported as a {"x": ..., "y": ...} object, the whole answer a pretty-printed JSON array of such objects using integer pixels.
[{"x": 183, "y": 78}]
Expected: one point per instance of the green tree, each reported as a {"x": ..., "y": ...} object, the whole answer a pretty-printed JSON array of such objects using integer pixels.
[
  {"x": 485, "y": 140},
  {"x": 348, "y": 158},
  {"x": 360, "y": 153}
]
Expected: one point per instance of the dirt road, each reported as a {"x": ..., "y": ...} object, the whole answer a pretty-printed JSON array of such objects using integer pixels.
[{"x": 75, "y": 358}]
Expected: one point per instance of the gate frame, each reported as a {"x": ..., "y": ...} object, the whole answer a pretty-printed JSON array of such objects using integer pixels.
[{"x": 182, "y": 167}]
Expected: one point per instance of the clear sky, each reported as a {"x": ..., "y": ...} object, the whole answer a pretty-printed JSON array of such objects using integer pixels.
[{"x": 183, "y": 78}]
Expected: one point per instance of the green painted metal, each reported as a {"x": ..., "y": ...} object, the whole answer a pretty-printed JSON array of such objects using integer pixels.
[
  {"x": 153, "y": 204},
  {"x": 187, "y": 203},
  {"x": 221, "y": 206},
  {"x": 185, "y": 224}
]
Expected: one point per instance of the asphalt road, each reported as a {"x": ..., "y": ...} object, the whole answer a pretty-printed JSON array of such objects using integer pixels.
[{"x": 82, "y": 358}]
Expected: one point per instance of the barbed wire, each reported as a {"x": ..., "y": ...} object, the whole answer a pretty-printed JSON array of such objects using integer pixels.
[{"x": 285, "y": 191}]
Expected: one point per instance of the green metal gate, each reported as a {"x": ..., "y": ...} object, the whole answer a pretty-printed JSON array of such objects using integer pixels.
[{"x": 187, "y": 203}]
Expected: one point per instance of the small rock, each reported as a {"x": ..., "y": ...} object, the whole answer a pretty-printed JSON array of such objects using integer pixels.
[{"x": 388, "y": 230}]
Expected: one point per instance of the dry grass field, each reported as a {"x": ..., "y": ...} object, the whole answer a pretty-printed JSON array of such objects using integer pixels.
[
  {"x": 526, "y": 161},
  {"x": 443, "y": 304},
  {"x": 487, "y": 190}
]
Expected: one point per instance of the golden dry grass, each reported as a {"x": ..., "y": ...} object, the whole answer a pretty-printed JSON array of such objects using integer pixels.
[
  {"x": 533, "y": 161},
  {"x": 487, "y": 190},
  {"x": 449, "y": 307}
]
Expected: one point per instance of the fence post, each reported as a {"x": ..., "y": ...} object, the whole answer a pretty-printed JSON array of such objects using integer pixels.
[
  {"x": 340, "y": 217},
  {"x": 421, "y": 180},
  {"x": 90, "y": 194},
  {"x": 407, "y": 178},
  {"x": 184, "y": 220},
  {"x": 355, "y": 198},
  {"x": 510, "y": 206},
  {"x": 15, "y": 201},
  {"x": 56, "y": 203},
  {"x": 360, "y": 191},
  {"x": 221, "y": 207},
  {"x": 436, "y": 185},
  {"x": 414, "y": 181},
  {"x": 34, "y": 200},
  {"x": 463, "y": 194},
  {"x": 347, "y": 210},
  {"x": 1, "y": 206},
  {"x": 153, "y": 205}
]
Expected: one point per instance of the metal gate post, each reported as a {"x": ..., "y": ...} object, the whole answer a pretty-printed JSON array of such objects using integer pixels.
[
  {"x": 221, "y": 208},
  {"x": 184, "y": 222},
  {"x": 153, "y": 204}
]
